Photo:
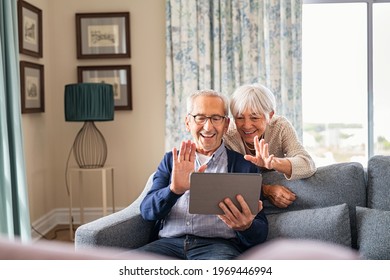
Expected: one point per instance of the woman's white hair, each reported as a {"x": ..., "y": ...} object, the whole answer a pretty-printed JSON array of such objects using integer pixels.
[{"x": 253, "y": 97}]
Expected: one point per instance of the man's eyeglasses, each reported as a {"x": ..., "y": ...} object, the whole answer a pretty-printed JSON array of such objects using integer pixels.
[{"x": 202, "y": 119}]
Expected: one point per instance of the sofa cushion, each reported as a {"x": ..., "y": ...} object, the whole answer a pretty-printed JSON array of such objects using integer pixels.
[
  {"x": 373, "y": 227},
  {"x": 378, "y": 191},
  {"x": 331, "y": 185},
  {"x": 330, "y": 224}
]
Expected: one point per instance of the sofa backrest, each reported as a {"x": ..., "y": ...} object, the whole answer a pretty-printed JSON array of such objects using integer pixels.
[{"x": 331, "y": 185}]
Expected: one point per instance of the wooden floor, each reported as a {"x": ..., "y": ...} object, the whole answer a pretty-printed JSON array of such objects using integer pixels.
[{"x": 59, "y": 233}]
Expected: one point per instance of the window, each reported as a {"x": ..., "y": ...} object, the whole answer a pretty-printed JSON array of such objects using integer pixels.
[{"x": 344, "y": 101}]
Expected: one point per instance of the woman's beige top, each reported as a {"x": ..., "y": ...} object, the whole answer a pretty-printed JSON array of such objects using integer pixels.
[{"x": 282, "y": 142}]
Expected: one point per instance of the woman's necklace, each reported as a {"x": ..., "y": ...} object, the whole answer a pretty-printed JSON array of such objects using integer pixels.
[
  {"x": 247, "y": 146},
  {"x": 251, "y": 150}
]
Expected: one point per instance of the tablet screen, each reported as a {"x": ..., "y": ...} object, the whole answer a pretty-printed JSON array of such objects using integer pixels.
[{"x": 208, "y": 189}]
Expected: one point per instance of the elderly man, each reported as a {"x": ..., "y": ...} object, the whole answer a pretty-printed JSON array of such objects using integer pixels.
[{"x": 192, "y": 236}]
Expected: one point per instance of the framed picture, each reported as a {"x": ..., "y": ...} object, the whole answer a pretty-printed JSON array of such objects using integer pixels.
[
  {"x": 103, "y": 35},
  {"x": 32, "y": 86},
  {"x": 30, "y": 29},
  {"x": 119, "y": 76}
]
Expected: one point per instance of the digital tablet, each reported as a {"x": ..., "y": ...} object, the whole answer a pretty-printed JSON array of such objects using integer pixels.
[{"x": 207, "y": 190}]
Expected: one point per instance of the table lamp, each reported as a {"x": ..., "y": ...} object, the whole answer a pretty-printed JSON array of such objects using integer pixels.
[{"x": 88, "y": 103}]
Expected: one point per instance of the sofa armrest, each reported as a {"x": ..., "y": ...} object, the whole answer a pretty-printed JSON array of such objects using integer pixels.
[{"x": 125, "y": 228}]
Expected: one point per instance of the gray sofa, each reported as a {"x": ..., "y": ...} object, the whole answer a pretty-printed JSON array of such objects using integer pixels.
[{"x": 342, "y": 204}]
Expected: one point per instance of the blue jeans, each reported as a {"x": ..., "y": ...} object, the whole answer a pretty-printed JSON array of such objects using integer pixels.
[{"x": 191, "y": 247}]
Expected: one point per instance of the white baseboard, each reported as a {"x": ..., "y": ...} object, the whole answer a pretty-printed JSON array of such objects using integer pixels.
[{"x": 60, "y": 216}]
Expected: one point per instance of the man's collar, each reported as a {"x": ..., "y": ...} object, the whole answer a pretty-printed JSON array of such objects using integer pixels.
[{"x": 221, "y": 149}]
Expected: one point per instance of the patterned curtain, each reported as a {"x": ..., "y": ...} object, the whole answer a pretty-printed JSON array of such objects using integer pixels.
[{"x": 222, "y": 44}]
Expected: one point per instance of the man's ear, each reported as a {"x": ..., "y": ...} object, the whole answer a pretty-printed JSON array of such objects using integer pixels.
[
  {"x": 187, "y": 123},
  {"x": 271, "y": 114}
]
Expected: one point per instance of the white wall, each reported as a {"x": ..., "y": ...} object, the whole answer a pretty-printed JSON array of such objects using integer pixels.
[{"x": 135, "y": 138}]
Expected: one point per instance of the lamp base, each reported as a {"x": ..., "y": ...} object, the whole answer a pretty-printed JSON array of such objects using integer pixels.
[{"x": 89, "y": 147}]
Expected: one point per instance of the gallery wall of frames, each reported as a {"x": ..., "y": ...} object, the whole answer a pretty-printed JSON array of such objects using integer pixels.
[{"x": 99, "y": 36}]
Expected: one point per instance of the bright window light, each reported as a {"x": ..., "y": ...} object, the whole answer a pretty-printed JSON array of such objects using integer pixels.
[{"x": 334, "y": 82}]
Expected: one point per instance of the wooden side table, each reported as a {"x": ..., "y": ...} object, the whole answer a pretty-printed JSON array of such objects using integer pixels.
[{"x": 80, "y": 172}]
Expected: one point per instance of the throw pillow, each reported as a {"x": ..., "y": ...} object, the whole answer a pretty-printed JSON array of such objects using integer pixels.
[
  {"x": 330, "y": 224},
  {"x": 378, "y": 189},
  {"x": 373, "y": 227}
]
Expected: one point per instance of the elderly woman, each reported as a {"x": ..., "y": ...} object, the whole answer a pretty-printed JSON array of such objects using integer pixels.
[{"x": 267, "y": 140}]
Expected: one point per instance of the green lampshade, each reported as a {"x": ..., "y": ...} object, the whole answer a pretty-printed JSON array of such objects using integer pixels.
[{"x": 89, "y": 102}]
